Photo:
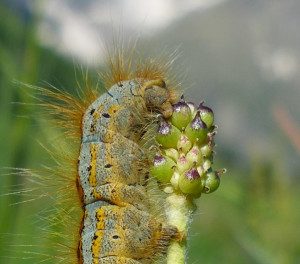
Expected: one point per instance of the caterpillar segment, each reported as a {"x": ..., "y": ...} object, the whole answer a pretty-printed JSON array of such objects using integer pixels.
[
  {"x": 117, "y": 226},
  {"x": 115, "y": 110},
  {"x": 124, "y": 232}
]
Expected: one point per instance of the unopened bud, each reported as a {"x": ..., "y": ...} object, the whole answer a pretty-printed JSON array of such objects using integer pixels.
[
  {"x": 162, "y": 168},
  {"x": 184, "y": 144},
  {"x": 206, "y": 150},
  {"x": 206, "y": 165},
  {"x": 182, "y": 114},
  {"x": 190, "y": 182},
  {"x": 212, "y": 182},
  {"x": 206, "y": 114},
  {"x": 196, "y": 130},
  {"x": 172, "y": 153},
  {"x": 168, "y": 135},
  {"x": 183, "y": 164},
  {"x": 191, "y": 106},
  {"x": 194, "y": 155}
]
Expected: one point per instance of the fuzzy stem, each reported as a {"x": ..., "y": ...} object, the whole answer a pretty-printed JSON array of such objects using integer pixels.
[{"x": 178, "y": 210}]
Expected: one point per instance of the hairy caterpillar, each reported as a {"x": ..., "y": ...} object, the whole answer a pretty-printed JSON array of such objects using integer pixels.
[
  {"x": 119, "y": 230},
  {"x": 120, "y": 223}
]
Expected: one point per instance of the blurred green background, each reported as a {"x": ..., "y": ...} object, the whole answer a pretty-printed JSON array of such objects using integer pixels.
[{"x": 243, "y": 59}]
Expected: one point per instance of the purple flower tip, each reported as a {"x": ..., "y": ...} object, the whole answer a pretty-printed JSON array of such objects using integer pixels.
[
  {"x": 197, "y": 122},
  {"x": 201, "y": 107},
  {"x": 182, "y": 159},
  {"x": 159, "y": 160},
  {"x": 164, "y": 128},
  {"x": 180, "y": 105},
  {"x": 191, "y": 104},
  {"x": 192, "y": 174}
]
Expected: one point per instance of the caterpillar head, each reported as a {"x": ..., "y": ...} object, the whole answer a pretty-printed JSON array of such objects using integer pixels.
[{"x": 158, "y": 97}]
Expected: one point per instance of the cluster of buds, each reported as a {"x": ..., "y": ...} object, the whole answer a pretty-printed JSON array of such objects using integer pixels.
[{"x": 183, "y": 161}]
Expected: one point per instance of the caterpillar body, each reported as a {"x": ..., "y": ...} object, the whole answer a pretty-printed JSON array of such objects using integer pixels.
[
  {"x": 117, "y": 225},
  {"x": 106, "y": 181}
]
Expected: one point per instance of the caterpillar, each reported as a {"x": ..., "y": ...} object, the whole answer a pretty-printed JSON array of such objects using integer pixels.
[
  {"x": 120, "y": 222},
  {"x": 117, "y": 226}
]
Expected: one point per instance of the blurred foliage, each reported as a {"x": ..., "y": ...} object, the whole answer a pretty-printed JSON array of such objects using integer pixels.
[
  {"x": 23, "y": 60},
  {"x": 253, "y": 218}
]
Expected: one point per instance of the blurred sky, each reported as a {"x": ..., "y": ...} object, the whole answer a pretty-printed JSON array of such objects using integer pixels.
[
  {"x": 242, "y": 57},
  {"x": 78, "y": 28}
]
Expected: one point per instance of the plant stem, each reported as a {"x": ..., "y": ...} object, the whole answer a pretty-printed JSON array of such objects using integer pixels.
[{"x": 179, "y": 210}]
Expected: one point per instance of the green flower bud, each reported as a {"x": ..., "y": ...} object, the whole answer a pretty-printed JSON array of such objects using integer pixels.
[
  {"x": 190, "y": 182},
  {"x": 206, "y": 150},
  {"x": 205, "y": 166},
  {"x": 192, "y": 107},
  {"x": 194, "y": 155},
  {"x": 212, "y": 182},
  {"x": 162, "y": 168},
  {"x": 206, "y": 114},
  {"x": 196, "y": 130},
  {"x": 172, "y": 153},
  {"x": 184, "y": 144},
  {"x": 174, "y": 180},
  {"x": 168, "y": 135},
  {"x": 183, "y": 164},
  {"x": 182, "y": 114}
]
